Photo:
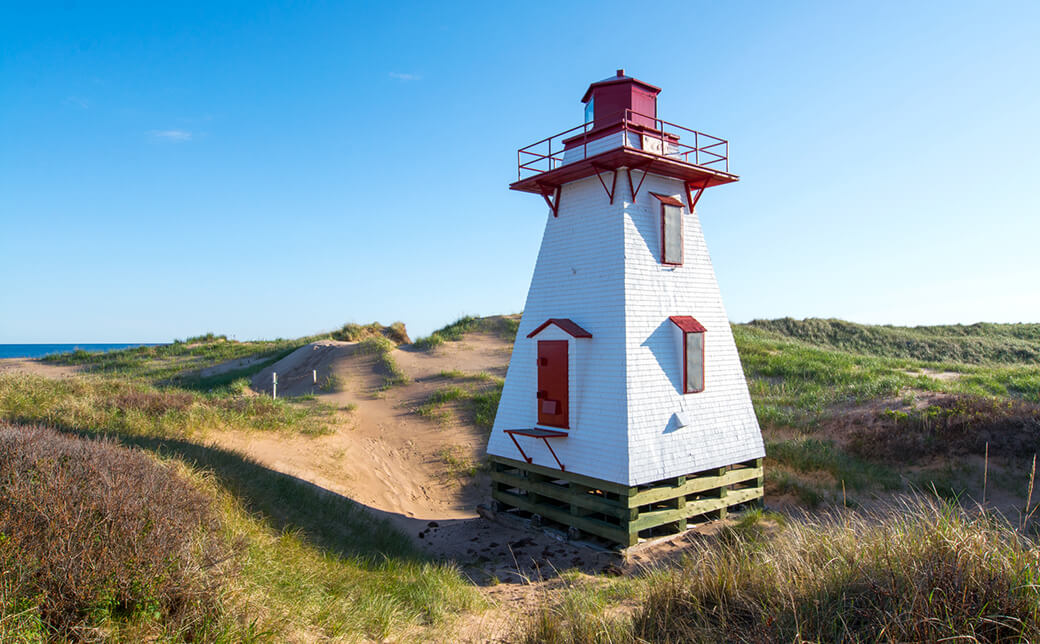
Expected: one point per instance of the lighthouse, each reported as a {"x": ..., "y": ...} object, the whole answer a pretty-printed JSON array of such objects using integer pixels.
[{"x": 625, "y": 414}]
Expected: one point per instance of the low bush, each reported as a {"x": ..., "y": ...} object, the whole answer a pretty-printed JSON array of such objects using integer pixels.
[
  {"x": 91, "y": 532},
  {"x": 952, "y": 425}
]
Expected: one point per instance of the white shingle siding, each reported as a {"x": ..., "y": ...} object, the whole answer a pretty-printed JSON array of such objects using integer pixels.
[{"x": 599, "y": 265}]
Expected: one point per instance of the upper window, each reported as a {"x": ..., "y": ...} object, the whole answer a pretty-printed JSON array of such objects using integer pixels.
[
  {"x": 590, "y": 112},
  {"x": 671, "y": 229},
  {"x": 692, "y": 347}
]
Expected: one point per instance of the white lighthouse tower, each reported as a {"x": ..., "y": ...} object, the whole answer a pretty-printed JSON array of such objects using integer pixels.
[{"x": 625, "y": 412}]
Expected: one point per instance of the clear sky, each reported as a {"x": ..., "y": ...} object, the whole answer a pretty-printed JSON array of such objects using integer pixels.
[{"x": 268, "y": 170}]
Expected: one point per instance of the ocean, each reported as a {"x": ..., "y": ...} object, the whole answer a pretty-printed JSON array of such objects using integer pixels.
[{"x": 40, "y": 350}]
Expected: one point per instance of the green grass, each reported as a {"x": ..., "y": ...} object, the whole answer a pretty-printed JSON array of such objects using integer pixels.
[
  {"x": 813, "y": 455},
  {"x": 459, "y": 463},
  {"x": 178, "y": 362},
  {"x": 383, "y": 349},
  {"x": 502, "y": 325},
  {"x": 983, "y": 343},
  {"x": 796, "y": 384},
  {"x": 117, "y": 406},
  {"x": 481, "y": 404}
]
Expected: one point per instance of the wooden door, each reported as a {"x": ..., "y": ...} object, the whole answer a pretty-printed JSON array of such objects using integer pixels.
[{"x": 552, "y": 383}]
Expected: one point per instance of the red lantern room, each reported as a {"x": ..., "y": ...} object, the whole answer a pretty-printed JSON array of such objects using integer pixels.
[{"x": 609, "y": 101}]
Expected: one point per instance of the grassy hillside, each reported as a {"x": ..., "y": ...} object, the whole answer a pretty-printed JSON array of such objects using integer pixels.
[
  {"x": 982, "y": 343},
  {"x": 852, "y": 415}
]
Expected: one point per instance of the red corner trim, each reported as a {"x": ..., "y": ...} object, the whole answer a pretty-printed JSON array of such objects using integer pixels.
[{"x": 567, "y": 325}]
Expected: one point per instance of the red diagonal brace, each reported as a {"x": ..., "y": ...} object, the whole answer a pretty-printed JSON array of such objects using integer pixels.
[
  {"x": 553, "y": 452},
  {"x": 522, "y": 452},
  {"x": 700, "y": 191},
  {"x": 646, "y": 169},
  {"x": 613, "y": 184},
  {"x": 554, "y": 203}
]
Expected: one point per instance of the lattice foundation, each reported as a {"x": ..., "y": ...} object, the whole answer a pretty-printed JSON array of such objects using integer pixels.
[{"x": 619, "y": 513}]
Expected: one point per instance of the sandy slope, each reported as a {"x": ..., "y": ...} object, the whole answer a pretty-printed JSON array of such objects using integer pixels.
[{"x": 382, "y": 454}]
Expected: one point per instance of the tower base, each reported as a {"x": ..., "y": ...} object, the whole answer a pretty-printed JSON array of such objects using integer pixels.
[{"x": 622, "y": 514}]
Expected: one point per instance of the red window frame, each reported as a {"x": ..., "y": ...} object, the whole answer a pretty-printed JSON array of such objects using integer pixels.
[
  {"x": 667, "y": 201},
  {"x": 688, "y": 326}
]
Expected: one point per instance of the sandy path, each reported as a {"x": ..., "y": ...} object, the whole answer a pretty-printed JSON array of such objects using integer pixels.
[
  {"x": 38, "y": 368},
  {"x": 382, "y": 454}
]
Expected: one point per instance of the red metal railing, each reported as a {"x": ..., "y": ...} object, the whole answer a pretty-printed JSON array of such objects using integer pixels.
[{"x": 548, "y": 154}]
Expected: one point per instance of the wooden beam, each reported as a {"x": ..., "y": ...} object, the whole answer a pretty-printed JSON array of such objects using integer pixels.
[
  {"x": 563, "y": 494},
  {"x": 693, "y": 485},
  {"x": 599, "y": 484},
  {"x": 592, "y": 526}
]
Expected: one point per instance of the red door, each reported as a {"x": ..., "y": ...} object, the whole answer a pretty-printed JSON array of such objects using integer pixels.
[{"x": 552, "y": 383}]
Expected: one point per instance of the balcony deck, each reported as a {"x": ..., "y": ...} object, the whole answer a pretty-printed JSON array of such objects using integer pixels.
[{"x": 583, "y": 151}]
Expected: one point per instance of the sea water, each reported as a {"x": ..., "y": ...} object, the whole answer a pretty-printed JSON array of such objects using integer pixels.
[{"x": 40, "y": 350}]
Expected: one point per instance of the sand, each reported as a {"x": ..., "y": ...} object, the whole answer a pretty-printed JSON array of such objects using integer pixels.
[{"x": 38, "y": 368}]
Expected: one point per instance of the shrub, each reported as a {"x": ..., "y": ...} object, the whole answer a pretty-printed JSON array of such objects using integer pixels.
[
  {"x": 952, "y": 425},
  {"x": 93, "y": 531}
]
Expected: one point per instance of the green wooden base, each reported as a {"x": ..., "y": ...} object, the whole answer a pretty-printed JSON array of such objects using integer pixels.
[{"x": 620, "y": 513}]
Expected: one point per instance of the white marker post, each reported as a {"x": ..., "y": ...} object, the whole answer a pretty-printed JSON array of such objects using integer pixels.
[
  {"x": 315, "y": 376},
  {"x": 274, "y": 384}
]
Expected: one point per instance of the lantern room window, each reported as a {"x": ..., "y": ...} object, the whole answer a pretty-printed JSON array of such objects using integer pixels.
[
  {"x": 671, "y": 229},
  {"x": 691, "y": 346},
  {"x": 590, "y": 112}
]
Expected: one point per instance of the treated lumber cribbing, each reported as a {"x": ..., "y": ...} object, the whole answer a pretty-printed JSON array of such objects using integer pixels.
[
  {"x": 618, "y": 512},
  {"x": 592, "y": 502},
  {"x": 592, "y": 526},
  {"x": 599, "y": 484}
]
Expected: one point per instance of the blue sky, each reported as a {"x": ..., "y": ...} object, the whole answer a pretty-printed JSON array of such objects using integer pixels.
[{"x": 267, "y": 170}]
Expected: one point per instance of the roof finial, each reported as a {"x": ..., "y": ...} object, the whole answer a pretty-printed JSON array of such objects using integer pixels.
[{"x": 621, "y": 72}]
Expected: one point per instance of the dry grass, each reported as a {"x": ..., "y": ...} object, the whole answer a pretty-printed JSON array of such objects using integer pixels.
[{"x": 924, "y": 571}]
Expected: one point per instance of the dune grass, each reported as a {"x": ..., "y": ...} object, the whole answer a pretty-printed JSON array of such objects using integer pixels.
[
  {"x": 981, "y": 343},
  {"x": 796, "y": 384},
  {"x": 923, "y": 570},
  {"x": 131, "y": 407},
  {"x": 480, "y": 403},
  {"x": 502, "y": 325},
  {"x": 179, "y": 359}
]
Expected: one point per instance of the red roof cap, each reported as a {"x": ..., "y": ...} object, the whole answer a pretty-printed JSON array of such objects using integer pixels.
[
  {"x": 687, "y": 324},
  {"x": 671, "y": 201},
  {"x": 567, "y": 325},
  {"x": 620, "y": 78}
]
